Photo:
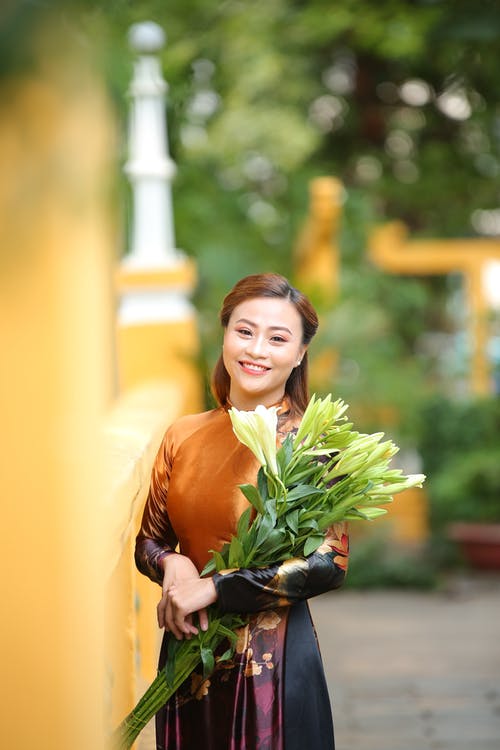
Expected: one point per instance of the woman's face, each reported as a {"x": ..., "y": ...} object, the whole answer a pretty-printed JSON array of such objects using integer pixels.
[{"x": 262, "y": 345}]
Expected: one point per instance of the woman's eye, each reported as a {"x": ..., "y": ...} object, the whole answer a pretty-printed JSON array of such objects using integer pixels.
[
  {"x": 244, "y": 331},
  {"x": 279, "y": 339}
]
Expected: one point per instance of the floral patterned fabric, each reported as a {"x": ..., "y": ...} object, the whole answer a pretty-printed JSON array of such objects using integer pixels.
[
  {"x": 272, "y": 695},
  {"x": 236, "y": 707}
]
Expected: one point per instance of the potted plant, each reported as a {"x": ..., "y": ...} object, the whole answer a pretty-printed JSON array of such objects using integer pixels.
[{"x": 460, "y": 448}]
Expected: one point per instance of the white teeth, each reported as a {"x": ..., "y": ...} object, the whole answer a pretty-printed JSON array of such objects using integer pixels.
[{"x": 257, "y": 368}]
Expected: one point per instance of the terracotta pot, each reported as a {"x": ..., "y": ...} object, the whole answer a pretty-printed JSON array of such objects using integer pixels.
[{"x": 479, "y": 542}]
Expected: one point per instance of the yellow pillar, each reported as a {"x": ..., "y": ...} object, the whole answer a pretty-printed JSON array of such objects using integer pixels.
[
  {"x": 316, "y": 265},
  {"x": 162, "y": 349},
  {"x": 55, "y": 339},
  {"x": 316, "y": 260}
]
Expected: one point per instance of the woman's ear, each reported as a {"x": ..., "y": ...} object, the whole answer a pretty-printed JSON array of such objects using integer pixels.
[{"x": 301, "y": 355}]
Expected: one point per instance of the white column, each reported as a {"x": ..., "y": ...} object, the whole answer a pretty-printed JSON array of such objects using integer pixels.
[
  {"x": 491, "y": 291},
  {"x": 491, "y": 283},
  {"x": 156, "y": 282},
  {"x": 149, "y": 167}
]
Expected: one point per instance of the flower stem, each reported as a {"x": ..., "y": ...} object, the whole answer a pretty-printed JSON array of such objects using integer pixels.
[{"x": 158, "y": 693}]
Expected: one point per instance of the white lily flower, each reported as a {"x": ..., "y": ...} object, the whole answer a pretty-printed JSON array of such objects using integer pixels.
[{"x": 257, "y": 430}]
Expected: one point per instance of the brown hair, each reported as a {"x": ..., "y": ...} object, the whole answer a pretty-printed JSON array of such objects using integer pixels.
[{"x": 269, "y": 285}]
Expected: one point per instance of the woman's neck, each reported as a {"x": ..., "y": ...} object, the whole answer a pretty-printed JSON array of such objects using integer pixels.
[{"x": 243, "y": 403}]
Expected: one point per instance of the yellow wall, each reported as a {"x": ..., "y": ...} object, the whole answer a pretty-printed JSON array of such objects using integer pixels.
[
  {"x": 55, "y": 343},
  {"x": 132, "y": 433},
  {"x": 161, "y": 351}
]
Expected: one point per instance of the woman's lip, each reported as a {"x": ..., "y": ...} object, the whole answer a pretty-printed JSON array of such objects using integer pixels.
[{"x": 253, "y": 368}]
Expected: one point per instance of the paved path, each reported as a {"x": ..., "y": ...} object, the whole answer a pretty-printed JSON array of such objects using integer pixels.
[{"x": 414, "y": 671}]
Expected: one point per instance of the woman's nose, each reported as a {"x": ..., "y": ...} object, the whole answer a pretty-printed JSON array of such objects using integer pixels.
[{"x": 256, "y": 347}]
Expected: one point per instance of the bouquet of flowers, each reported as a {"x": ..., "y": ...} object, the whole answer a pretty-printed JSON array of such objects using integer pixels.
[{"x": 323, "y": 473}]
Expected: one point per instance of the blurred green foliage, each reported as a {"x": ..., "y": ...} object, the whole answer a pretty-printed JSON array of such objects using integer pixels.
[
  {"x": 375, "y": 563},
  {"x": 459, "y": 442},
  {"x": 398, "y": 99}
]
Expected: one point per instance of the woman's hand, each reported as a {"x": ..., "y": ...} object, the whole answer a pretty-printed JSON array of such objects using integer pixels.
[
  {"x": 178, "y": 572},
  {"x": 186, "y": 597}
]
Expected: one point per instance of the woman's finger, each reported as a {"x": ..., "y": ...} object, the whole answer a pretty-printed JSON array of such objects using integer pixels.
[
  {"x": 170, "y": 619},
  {"x": 203, "y": 619},
  {"x": 182, "y": 615},
  {"x": 160, "y": 611}
]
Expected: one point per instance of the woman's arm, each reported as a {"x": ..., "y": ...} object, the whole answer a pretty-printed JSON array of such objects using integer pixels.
[
  {"x": 183, "y": 592},
  {"x": 156, "y": 538},
  {"x": 155, "y": 541},
  {"x": 255, "y": 589}
]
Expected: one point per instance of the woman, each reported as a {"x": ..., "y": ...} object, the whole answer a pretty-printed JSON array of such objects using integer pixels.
[{"x": 272, "y": 695}]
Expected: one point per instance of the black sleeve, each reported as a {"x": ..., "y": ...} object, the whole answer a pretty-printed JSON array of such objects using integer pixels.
[{"x": 281, "y": 584}]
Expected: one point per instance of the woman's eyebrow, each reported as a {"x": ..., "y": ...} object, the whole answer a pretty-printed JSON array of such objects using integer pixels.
[
  {"x": 271, "y": 328},
  {"x": 245, "y": 320}
]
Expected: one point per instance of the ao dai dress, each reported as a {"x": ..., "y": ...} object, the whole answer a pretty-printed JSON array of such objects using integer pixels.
[{"x": 272, "y": 695}]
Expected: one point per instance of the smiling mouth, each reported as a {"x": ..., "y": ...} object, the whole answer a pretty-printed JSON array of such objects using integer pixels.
[{"x": 254, "y": 368}]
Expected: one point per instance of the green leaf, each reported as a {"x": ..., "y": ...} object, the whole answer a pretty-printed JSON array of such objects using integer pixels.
[
  {"x": 292, "y": 520},
  {"x": 270, "y": 510},
  {"x": 226, "y": 655},
  {"x": 284, "y": 454},
  {"x": 236, "y": 555},
  {"x": 220, "y": 563},
  {"x": 303, "y": 490},
  {"x": 303, "y": 471},
  {"x": 312, "y": 544},
  {"x": 230, "y": 634},
  {"x": 287, "y": 447},
  {"x": 252, "y": 494},
  {"x": 210, "y": 567},
  {"x": 273, "y": 540},
  {"x": 265, "y": 527},
  {"x": 312, "y": 523},
  {"x": 262, "y": 484},
  {"x": 330, "y": 518},
  {"x": 243, "y": 524},
  {"x": 170, "y": 666},
  {"x": 306, "y": 515},
  {"x": 208, "y": 661}
]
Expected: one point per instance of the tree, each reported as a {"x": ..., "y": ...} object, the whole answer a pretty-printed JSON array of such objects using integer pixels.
[{"x": 397, "y": 99}]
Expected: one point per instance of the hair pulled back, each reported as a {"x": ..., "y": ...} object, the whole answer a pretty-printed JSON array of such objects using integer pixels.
[{"x": 269, "y": 285}]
